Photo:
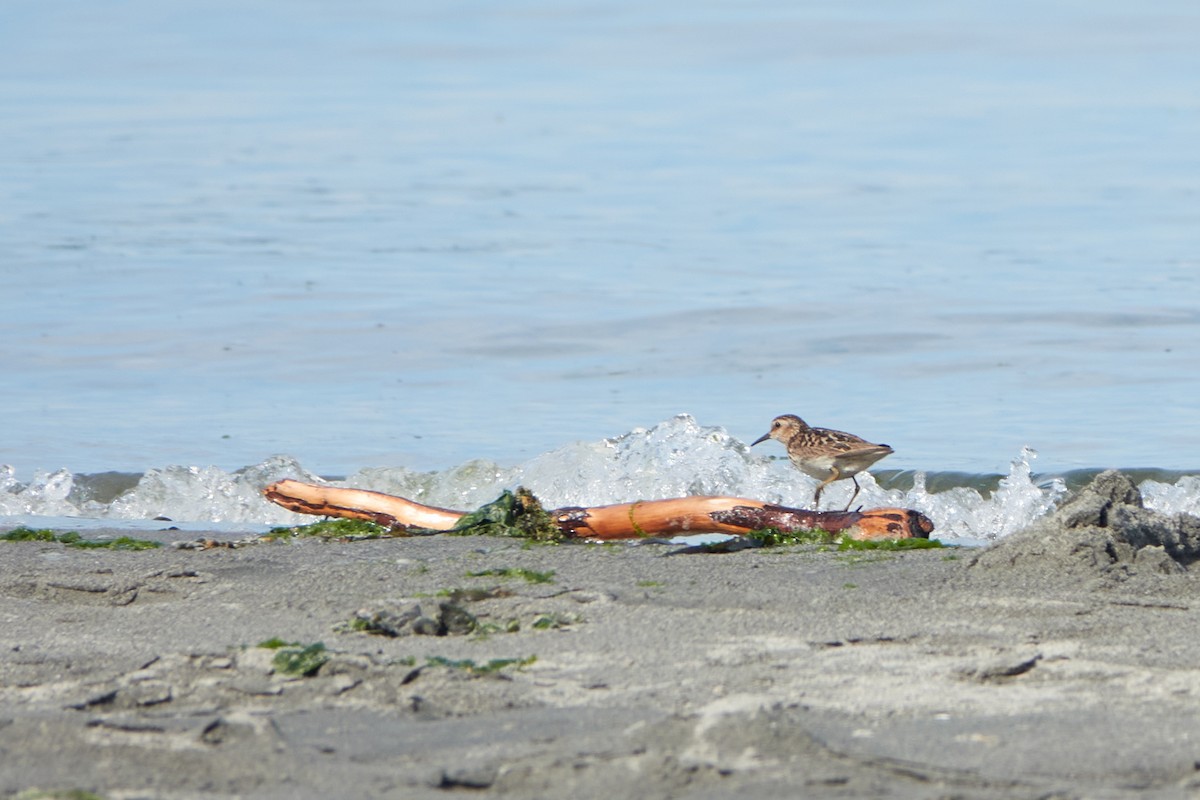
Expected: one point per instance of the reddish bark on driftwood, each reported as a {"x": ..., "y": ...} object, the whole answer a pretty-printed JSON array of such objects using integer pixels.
[
  {"x": 683, "y": 515},
  {"x": 385, "y": 509}
]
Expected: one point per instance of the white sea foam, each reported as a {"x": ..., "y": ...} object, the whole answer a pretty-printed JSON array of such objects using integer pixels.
[
  {"x": 677, "y": 457},
  {"x": 1181, "y": 497},
  {"x": 208, "y": 493},
  {"x": 966, "y": 513},
  {"x": 45, "y": 495},
  {"x": 199, "y": 494}
]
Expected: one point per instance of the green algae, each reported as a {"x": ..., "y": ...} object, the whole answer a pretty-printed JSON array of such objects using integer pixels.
[
  {"x": 553, "y": 621},
  {"x": 846, "y": 543},
  {"x": 485, "y": 629},
  {"x": 23, "y": 534},
  {"x": 336, "y": 529},
  {"x": 300, "y": 662},
  {"x": 295, "y": 658},
  {"x": 471, "y": 667},
  {"x": 854, "y": 552},
  {"x": 74, "y": 539},
  {"x": 856, "y": 558},
  {"x": 772, "y": 537},
  {"x": 120, "y": 543},
  {"x": 637, "y": 529},
  {"x": 816, "y": 540},
  {"x": 514, "y": 514},
  {"x": 274, "y": 643},
  {"x": 527, "y": 575}
]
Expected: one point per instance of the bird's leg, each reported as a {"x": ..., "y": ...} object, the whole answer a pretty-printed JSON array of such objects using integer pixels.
[
  {"x": 834, "y": 474},
  {"x": 855, "y": 479}
]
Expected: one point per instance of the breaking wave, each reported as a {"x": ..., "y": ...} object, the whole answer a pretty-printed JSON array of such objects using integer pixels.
[{"x": 677, "y": 457}]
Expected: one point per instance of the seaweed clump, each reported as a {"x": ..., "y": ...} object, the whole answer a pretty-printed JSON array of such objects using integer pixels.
[
  {"x": 527, "y": 575},
  {"x": 822, "y": 540},
  {"x": 74, "y": 539},
  {"x": 771, "y": 537},
  {"x": 846, "y": 543},
  {"x": 343, "y": 530},
  {"x": 516, "y": 514},
  {"x": 291, "y": 658}
]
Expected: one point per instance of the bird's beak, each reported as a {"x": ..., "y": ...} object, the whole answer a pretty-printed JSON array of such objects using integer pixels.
[{"x": 762, "y": 438}]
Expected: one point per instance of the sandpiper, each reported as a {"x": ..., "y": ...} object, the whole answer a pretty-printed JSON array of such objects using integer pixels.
[{"x": 824, "y": 454}]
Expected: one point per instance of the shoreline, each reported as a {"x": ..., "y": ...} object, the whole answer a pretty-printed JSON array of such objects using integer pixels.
[{"x": 1056, "y": 662}]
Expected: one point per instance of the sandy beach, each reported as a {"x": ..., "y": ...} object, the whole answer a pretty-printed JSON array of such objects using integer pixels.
[{"x": 1061, "y": 662}]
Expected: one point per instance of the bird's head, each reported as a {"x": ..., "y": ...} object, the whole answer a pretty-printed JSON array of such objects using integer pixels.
[{"x": 783, "y": 428}]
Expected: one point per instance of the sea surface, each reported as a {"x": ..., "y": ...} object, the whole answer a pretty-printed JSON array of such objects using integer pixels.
[{"x": 594, "y": 248}]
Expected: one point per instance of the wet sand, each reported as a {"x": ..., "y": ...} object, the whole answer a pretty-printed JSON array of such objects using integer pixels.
[{"x": 1062, "y": 662}]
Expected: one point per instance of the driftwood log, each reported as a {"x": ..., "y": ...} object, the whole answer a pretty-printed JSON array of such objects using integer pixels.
[{"x": 683, "y": 515}]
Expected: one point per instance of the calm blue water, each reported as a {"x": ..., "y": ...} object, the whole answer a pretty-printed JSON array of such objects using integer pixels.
[{"x": 397, "y": 234}]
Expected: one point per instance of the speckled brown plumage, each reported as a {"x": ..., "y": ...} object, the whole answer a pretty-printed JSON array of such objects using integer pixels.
[{"x": 824, "y": 454}]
